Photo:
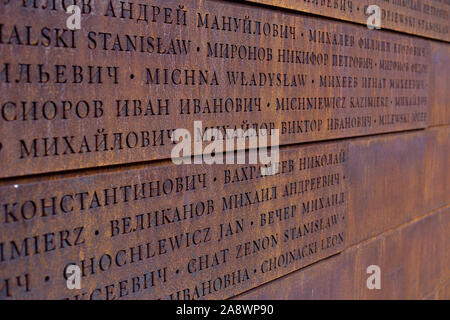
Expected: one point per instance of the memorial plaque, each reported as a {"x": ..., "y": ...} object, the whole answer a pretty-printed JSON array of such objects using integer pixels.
[
  {"x": 173, "y": 232},
  {"x": 427, "y": 18},
  {"x": 440, "y": 83},
  {"x": 114, "y": 91}
]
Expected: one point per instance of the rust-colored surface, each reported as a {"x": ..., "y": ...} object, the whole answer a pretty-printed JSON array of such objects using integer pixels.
[
  {"x": 426, "y": 18},
  {"x": 86, "y": 176},
  {"x": 440, "y": 84},
  {"x": 173, "y": 232},
  {"x": 413, "y": 182},
  {"x": 442, "y": 293},
  {"x": 414, "y": 260},
  {"x": 60, "y": 90},
  {"x": 412, "y": 186}
]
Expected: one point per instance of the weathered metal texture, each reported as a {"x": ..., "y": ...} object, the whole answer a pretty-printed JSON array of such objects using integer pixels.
[
  {"x": 442, "y": 293},
  {"x": 353, "y": 82},
  {"x": 437, "y": 154},
  {"x": 413, "y": 260},
  {"x": 413, "y": 184},
  {"x": 440, "y": 84},
  {"x": 425, "y": 18},
  {"x": 173, "y": 232},
  {"x": 413, "y": 180}
]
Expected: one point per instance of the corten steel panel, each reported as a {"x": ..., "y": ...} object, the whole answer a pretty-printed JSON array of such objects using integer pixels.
[
  {"x": 413, "y": 260},
  {"x": 437, "y": 175},
  {"x": 413, "y": 182},
  {"x": 414, "y": 263},
  {"x": 440, "y": 84},
  {"x": 72, "y": 120},
  {"x": 388, "y": 182},
  {"x": 442, "y": 293},
  {"x": 424, "y": 18},
  {"x": 412, "y": 186},
  {"x": 230, "y": 231}
]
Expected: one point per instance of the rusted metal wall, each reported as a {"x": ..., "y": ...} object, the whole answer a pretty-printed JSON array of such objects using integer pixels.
[
  {"x": 421, "y": 18},
  {"x": 87, "y": 179},
  {"x": 311, "y": 78}
]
